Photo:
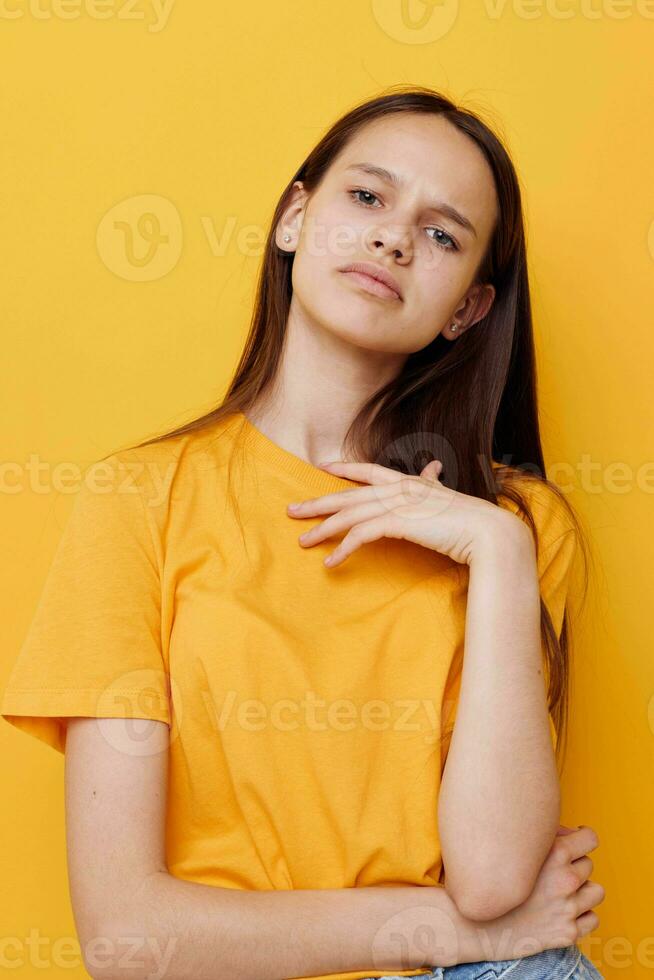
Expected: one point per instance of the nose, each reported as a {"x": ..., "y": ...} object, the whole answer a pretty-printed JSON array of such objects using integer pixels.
[{"x": 390, "y": 238}]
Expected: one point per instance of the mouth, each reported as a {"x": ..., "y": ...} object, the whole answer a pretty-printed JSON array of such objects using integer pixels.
[{"x": 375, "y": 281}]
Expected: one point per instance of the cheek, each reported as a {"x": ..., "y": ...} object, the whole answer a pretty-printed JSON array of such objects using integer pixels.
[
  {"x": 435, "y": 289},
  {"x": 314, "y": 283},
  {"x": 435, "y": 295},
  {"x": 307, "y": 276},
  {"x": 335, "y": 236},
  {"x": 436, "y": 268},
  {"x": 441, "y": 282}
]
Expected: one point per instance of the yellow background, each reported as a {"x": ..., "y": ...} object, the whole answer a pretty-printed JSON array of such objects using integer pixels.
[{"x": 198, "y": 116}]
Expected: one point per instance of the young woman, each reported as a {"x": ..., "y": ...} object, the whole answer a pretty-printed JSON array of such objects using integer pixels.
[{"x": 300, "y": 803}]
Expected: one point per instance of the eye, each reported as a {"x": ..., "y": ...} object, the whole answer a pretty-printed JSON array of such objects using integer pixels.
[
  {"x": 452, "y": 246},
  {"x": 449, "y": 245},
  {"x": 361, "y": 190}
]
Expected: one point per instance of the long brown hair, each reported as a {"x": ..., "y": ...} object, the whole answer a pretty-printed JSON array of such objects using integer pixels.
[{"x": 478, "y": 392}]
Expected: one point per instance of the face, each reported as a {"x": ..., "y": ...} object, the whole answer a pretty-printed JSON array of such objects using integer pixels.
[{"x": 428, "y": 229}]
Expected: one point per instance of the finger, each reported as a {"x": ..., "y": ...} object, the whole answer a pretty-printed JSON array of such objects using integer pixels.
[
  {"x": 580, "y": 842},
  {"x": 432, "y": 470},
  {"x": 583, "y": 867},
  {"x": 586, "y": 923},
  {"x": 389, "y": 503},
  {"x": 378, "y": 527},
  {"x": 363, "y": 472},
  {"x": 331, "y": 502},
  {"x": 343, "y": 521},
  {"x": 590, "y": 894}
]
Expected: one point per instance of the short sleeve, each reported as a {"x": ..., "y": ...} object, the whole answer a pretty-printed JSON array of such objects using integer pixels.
[
  {"x": 93, "y": 648},
  {"x": 556, "y": 563}
]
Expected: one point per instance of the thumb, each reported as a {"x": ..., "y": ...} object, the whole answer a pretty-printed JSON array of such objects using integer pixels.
[{"x": 432, "y": 470}]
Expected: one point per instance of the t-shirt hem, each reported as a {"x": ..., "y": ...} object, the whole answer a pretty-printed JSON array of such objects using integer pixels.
[{"x": 40, "y": 712}]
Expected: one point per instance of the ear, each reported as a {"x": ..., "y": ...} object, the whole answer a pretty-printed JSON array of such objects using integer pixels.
[
  {"x": 292, "y": 217},
  {"x": 476, "y": 304}
]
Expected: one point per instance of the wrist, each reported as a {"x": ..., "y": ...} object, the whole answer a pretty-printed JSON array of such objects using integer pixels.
[
  {"x": 503, "y": 938},
  {"x": 464, "y": 941},
  {"x": 481, "y": 940}
]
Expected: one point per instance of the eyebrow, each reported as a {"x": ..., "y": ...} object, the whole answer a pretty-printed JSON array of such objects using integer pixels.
[{"x": 396, "y": 181}]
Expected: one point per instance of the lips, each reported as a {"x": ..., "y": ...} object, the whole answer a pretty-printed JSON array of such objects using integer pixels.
[{"x": 371, "y": 271}]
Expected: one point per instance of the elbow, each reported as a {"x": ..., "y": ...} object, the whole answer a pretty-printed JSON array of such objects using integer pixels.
[
  {"x": 110, "y": 952},
  {"x": 116, "y": 944},
  {"x": 492, "y": 885},
  {"x": 482, "y": 906},
  {"x": 94, "y": 944},
  {"x": 484, "y": 897},
  {"x": 98, "y": 949}
]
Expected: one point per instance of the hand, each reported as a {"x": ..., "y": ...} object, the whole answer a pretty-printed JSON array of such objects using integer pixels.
[
  {"x": 558, "y": 911},
  {"x": 394, "y": 505}
]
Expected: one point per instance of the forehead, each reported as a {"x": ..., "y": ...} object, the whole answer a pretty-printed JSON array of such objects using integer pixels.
[{"x": 433, "y": 159}]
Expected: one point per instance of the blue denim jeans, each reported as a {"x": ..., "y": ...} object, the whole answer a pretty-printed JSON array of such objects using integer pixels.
[{"x": 567, "y": 963}]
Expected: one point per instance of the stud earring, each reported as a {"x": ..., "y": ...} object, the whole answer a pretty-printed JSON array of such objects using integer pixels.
[
  {"x": 453, "y": 327},
  {"x": 287, "y": 238}
]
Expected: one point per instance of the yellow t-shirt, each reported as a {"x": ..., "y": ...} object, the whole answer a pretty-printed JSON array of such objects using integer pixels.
[{"x": 306, "y": 703}]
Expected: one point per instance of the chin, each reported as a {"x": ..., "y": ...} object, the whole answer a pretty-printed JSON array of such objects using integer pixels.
[
  {"x": 354, "y": 330},
  {"x": 350, "y": 316}
]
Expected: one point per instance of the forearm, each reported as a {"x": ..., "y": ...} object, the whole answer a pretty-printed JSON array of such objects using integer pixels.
[
  {"x": 499, "y": 799},
  {"x": 180, "y": 929}
]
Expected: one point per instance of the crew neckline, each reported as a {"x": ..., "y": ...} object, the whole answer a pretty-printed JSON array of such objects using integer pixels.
[{"x": 301, "y": 469}]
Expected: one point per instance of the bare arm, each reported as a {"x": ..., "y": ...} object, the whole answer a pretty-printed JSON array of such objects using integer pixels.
[
  {"x": 134, "y": 919},
  {"x": 499, "y": 801}
]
